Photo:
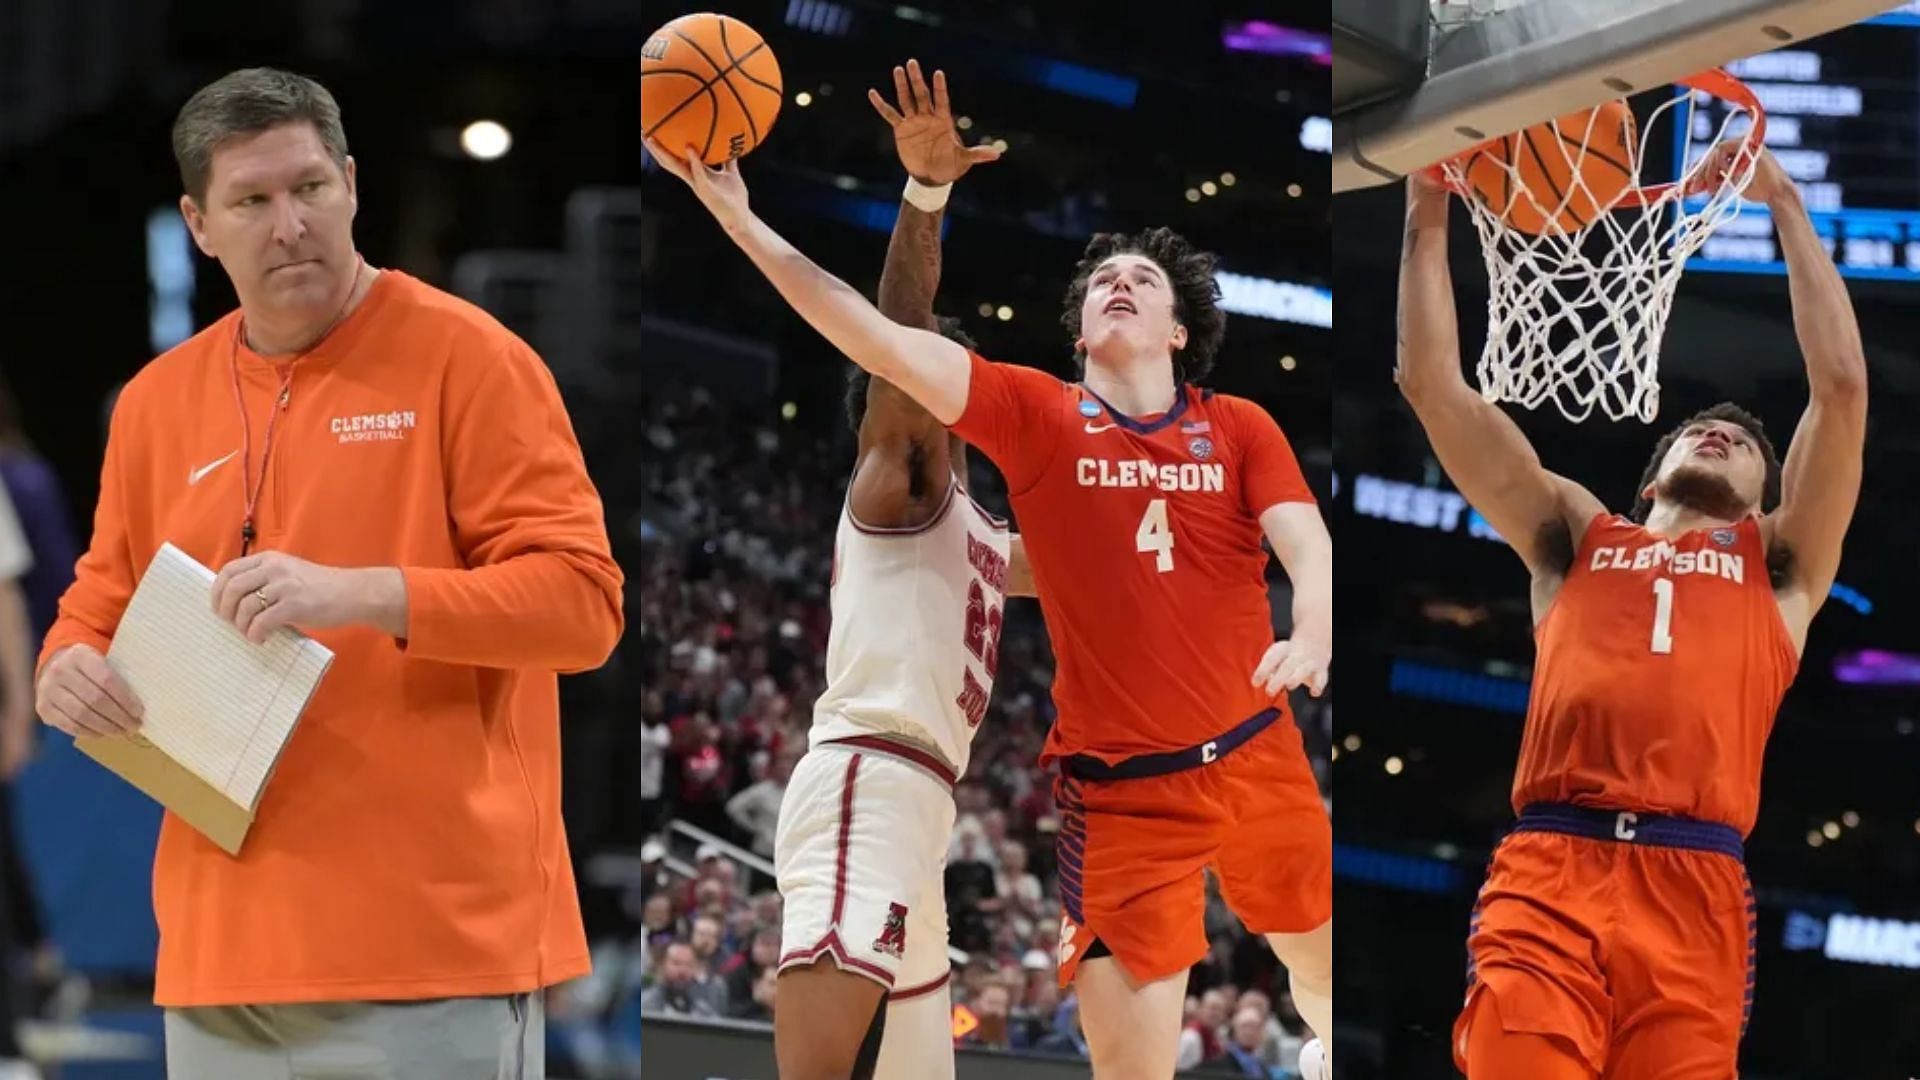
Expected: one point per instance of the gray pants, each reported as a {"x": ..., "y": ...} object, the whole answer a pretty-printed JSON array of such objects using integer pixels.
[{"x": 502, "y": 1038}]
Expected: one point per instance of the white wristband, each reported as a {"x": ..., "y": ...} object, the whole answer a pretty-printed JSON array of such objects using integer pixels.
[{"x": 927, "y": 198}]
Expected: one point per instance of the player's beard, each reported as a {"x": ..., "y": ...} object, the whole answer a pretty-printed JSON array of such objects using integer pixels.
[{"x": 1704, "y": 492}]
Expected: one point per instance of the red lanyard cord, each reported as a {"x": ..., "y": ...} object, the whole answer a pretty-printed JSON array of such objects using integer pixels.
[{"x": 250, "y": 488}]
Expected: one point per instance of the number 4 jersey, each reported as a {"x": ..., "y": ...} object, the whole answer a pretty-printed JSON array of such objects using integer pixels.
[
  {"x": 1661, "y": 665},
  {"x": 1145, "y": 542},
  {"x": 916, "y": 628}
]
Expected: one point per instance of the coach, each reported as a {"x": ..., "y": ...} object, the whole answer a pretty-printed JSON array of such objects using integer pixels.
[{"x": 385, "y": 467}]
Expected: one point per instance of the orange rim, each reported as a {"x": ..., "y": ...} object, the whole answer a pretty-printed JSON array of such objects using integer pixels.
[{"x": 1716, "y": 81}]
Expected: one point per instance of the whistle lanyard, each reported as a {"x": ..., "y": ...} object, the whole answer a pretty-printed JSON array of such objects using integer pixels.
[{"x": 251, "y": 488}]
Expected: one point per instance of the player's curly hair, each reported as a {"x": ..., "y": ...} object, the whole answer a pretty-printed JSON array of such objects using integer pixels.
[
  {"x": 858, "y": 379},
  {"x": 1732, "y": 414},
  {"x": 1196, "y": 293}
]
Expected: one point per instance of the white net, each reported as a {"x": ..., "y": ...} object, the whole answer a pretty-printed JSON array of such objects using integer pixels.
[{"x": 1576, "y": 311}]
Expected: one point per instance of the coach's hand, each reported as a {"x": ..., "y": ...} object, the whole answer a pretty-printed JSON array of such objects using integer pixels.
[
  {"x": 261, "y": 593},
  {"x": 79, "y": 693},
  {"x": 721, "y": 190},
  {"x": 1288, "y": 664},
  {"x": 923, "y": 132}
]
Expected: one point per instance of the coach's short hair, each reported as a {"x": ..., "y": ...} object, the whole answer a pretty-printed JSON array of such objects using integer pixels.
[
  {"x": 1730, "y": 413},
  {"x": 247, "y": 102},
  {"x": 1196, "y": 293},
  {"x": 858, "y": 379}
]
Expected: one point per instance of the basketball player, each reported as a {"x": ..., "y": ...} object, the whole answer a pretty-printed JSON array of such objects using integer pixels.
[
  {"x": 1614, "y": 935},
  {"x": 921, "y": 575},
  {"x": 1142, "y": 501}
]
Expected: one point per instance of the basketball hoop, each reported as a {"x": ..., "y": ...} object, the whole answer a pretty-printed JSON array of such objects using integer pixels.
[{"x": 1579, "y": 298}]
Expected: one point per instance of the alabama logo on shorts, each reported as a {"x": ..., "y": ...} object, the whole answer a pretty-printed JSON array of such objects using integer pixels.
[{"x": 893, "y": 936}]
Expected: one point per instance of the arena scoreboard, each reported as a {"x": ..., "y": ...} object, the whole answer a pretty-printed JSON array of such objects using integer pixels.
[{"x": 1843, "y": 119}]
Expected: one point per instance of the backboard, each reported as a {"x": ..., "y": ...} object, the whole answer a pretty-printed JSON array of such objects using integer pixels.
[{"x": 1496, "y": 66}]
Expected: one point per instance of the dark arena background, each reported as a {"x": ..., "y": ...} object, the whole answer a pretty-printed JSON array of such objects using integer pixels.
[
  {"x": 1435, "y": 632},
  {"x": 1206, "y": 117}
]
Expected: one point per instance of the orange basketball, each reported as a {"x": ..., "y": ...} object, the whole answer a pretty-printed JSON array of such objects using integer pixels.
[
  {"x": 1544, "y": 159},
  {"x": 708, "y": 81}
]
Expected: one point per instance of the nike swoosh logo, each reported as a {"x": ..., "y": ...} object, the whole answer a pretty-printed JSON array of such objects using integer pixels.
[
  {"x": 1091, "y": 430},
  {"x": 196, "y": 475}
]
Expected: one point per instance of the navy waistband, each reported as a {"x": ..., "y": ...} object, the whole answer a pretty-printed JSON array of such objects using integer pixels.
[
  {"x": 1086, "y": 767},
  {"x": 1631, "y": 827}
]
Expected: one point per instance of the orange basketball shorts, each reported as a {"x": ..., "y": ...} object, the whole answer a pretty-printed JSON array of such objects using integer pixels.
[
  {"x": 1131, "y": 852},
  {"x": 1635, "y": 949}
]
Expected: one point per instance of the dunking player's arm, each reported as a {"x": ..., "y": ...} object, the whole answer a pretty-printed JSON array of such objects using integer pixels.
[
  {"x": 1482, "y": 450},
  {"x": 1820, "y": 480}
]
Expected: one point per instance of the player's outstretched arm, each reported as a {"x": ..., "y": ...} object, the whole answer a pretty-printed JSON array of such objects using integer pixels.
[
  {"x": 1820, "y": 480},
  {"x": 903, "y": 454},
  {"x": 932, "y": 370},
  {"x": 1299, "y": 538},
  {"x": 903, "y": 450},
  {"x": 1483, "y": 451}
]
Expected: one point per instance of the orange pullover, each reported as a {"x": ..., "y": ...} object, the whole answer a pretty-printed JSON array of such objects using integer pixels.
[{"x": 410, "y": 842}]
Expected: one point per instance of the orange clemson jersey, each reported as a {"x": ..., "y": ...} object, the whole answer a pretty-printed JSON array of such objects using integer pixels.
[
  {"x": 1145, "y": 541},
  {"x": 1661, "y": 665}
]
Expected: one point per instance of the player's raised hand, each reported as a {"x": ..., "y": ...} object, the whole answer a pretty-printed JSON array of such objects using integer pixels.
[
  {"x": 721, "y": 190},
  {"x": 1289, "y": 664},
  {"x": 923, "y": 132}
]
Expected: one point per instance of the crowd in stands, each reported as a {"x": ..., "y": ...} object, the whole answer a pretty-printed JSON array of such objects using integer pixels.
[{"x": 740, "y": 513}]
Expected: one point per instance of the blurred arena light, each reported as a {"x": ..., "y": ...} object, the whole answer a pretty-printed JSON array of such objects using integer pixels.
[
  {"x": 1282, "y": 301},
  {"x": 1258, "y": 36},
  {"x": 1877, "y": 667},
  {"x": 170, "y": 279},
  {"x": 819, "y": 16},
  {"x": 486, "y": 140},
  {"x": 1316, "y": 133}
]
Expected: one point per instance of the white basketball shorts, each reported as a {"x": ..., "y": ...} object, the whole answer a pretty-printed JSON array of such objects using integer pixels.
[{"x": 860, "y": 857}]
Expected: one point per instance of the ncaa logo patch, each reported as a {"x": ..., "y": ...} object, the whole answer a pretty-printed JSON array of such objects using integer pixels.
[
  {"x": 1088, "y": 409},
  {"x": 1723, "y": 537},
  {"x": 893, "y": 936},
  {"x": 1202, "y": 448}
]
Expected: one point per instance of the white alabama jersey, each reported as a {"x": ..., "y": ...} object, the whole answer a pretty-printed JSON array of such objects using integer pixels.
[{"x": 916, "y": 628}]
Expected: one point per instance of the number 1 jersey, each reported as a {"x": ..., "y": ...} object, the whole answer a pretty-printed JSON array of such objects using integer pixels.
[
  {"x": 1144, "y": 538},
  {"x": 1660, "y": 667}
]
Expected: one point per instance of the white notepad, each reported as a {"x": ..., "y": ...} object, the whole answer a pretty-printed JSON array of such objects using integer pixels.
[{"x": 219, "y": 709}]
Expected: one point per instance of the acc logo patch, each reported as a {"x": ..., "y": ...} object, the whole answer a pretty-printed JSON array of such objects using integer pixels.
[
  {"x": 1201, "y": 448},
  {"x": 1724, "y": 537}
]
